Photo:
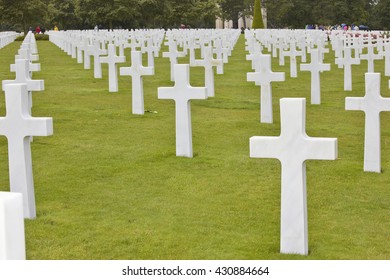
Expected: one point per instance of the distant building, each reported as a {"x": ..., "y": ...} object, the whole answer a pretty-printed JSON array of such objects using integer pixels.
[{"x": 228, "y": 24}]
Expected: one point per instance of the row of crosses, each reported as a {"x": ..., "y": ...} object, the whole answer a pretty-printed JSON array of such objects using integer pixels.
[{"x": 293, "y": 147}]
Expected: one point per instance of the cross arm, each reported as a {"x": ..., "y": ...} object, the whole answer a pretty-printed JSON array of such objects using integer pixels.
[
  {"x": 354, "y": 103},
  {"x": 39, "y": 126},
  {"x": 264, "y": 147},
  {"x": 126, "y": 71},
  {"x": 320, "y": 148},
  {"x": 32, "y": 85},
  {"x": 165, "y": 93},
  {"x": 278, "y": 76},
  {"x": 33, "y": 67}
]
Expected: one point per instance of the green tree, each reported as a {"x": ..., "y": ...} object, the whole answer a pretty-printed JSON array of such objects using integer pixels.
[
  {"x": 232, "y": 10},
  {"x": 109, "y": 13},
  {"x": 257, "y": 16},
  {"x": 380, "y": 15},
  {"x": 63, "y": 14},
  {"x": 20, "y": 15}
]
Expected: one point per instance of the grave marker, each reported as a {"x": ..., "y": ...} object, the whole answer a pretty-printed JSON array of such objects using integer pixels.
[
  {"x": 182, "y": 93},
  {"x": 347, "y": 61},
  {"x": 292, "y": 148},
  {"x": 293, "y": 53},
  {"x": 263, "y": 77},
  {"x": 136, "y": 71},
  {"x": 372, "y": 104},
  {"x": 112, "y": 60},
  {"x": 315, "y": 67},
  {"x": 208, "y": 62},
  {"x": 173, "y": 55},
  {"x": 12, "y": 238},
  {"x": 370, "y": 57},
  {"x": 17, "y": 126}
]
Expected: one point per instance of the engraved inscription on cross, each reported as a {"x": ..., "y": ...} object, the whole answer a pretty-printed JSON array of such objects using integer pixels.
[
  {"x": 292, "y": 148},
  {"x": 17, "y": 126},
  {"x": 315, "y": 67},
  {"x": 182, "y": 93},
  {"x": 136, "y": 71},
  {"x": 263, "y": 77},
  {"x": 372, "y": 104}
]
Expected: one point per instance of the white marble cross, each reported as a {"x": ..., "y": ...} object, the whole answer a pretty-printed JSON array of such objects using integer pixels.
[
  {"x": 80, "y": 49},
  {"x": 136, "y": 71},
  {"x": 87, "y": 53},
  {"x": 133, "y": 45},
  {"x": 173, "y": 55},
  {"x": 12, "y": 238},
  {"x": 26, "y": 54},
  {"x": 208, "y": 62},
  {"x": 315, "y": 67},
  {"x": 112, "y": 60},
  {"x": 96, "y": 52},
  {"x": 182, "y": 93},
  {"x": 372, "y": 104},
  {"x": 22, "y": 72},
  {"x": 293, "y": 53},
  {"x": 222, "y": 54},
  {"x": 151, "y": 50},
  {"x": 292, "y": 148},
  {"x": 347, "y": 61},
  {"x": 263, "y": 77},
  {"x": 370, "y": 57},
  {"x": 17, "y": 125},
  {"x": 386, "y": 55}
]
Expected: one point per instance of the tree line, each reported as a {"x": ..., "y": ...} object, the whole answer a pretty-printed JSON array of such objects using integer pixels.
[{"x": 19, "y": 15}]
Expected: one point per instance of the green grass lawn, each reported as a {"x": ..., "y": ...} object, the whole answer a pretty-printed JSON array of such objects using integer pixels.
[{"x": 109, "y": 186}]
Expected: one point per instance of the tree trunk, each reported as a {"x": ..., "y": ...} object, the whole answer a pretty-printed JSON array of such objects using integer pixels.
[{"x": 235, "y": 22}]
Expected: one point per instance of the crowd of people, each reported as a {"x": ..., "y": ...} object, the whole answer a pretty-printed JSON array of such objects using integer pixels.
[{"x": 342, "y": 26}]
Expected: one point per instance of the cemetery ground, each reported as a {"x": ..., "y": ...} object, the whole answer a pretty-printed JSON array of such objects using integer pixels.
[{"x": 109, "y": 186}]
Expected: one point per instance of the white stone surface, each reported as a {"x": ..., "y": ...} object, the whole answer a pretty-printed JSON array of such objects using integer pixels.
[
  {"x": 17, "y": 126},
  {"x": 370, "y": 56},
  {"x": 292, "y": 148},
  {"x": 12, "y": 238},
  {"x": 293, "y": 53},
  {"x": 347, "y": 61},
  {"x": 23, "y": 76},
  {"x": 136, "y": 71},
  {"x": 112, "y": 60},
  {"x": 315, "y": 67},
  {"x": 173, "y": 54},
  {"x": 372, "y": 104},
  {"x": 263, "y": 77},
  {"x": 96, "y": 52},
  {"x": 386, "y": 55},
  {"x": 182, "y": 93},
  {"x": 208, "y": 62}
]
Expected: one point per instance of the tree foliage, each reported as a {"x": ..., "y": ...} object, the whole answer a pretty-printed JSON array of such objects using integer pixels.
[
  {"x": 298, "y": 13},
  {"x": 257, "y": 16},
  {"x": 19, "y": 15}
]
